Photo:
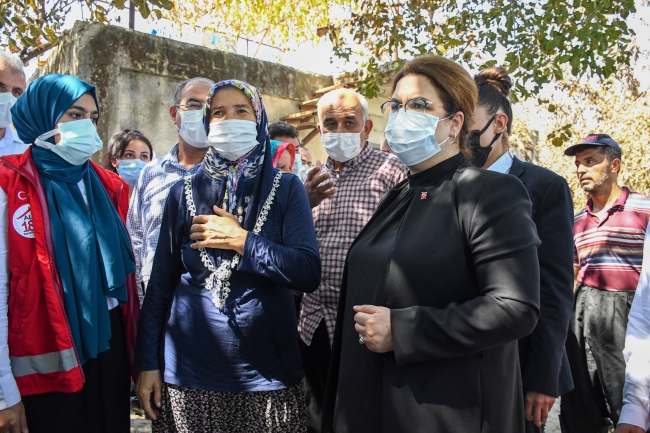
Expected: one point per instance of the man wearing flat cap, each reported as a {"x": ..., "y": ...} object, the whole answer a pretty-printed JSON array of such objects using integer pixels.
[{"x": 608, "y": 239}]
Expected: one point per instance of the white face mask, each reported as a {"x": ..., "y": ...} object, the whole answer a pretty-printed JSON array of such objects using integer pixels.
[
  {"x": 233, "y": 138},
  {"x": 342, "y": 147},
  {"x": 7, "y": 100},
  {"x": 297, "y": 164},
  {"x": 79, "y": 140},
  {"x": 192, "y": 130}
]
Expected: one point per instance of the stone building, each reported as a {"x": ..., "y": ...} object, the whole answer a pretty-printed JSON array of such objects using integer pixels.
[{"x": 135, "y": 75}]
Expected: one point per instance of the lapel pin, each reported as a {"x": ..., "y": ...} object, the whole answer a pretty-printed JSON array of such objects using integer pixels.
[{"x": 423, "y": 196}]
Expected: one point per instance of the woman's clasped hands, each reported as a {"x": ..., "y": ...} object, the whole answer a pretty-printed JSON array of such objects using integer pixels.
[{"x": 218, "y": 231}]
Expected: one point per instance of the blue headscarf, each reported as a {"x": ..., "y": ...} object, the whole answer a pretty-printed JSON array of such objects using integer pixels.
[{"x": 92, "y": 250}]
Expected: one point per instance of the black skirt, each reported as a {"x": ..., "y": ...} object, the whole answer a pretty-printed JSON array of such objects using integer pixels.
[{"x": 101, "y": 406}]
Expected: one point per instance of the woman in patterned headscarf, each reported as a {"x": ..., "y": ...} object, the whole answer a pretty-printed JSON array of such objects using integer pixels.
[
  {"x": 284, "y": 154},
  {"x": 236, "y": 237}
]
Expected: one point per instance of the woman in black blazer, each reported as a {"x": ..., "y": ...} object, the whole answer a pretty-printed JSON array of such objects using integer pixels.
[
  {"x": 440, "y": 284},
  {"x": 544, "y": 364}
]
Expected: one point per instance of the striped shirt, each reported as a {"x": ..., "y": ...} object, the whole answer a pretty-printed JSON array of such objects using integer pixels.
[
  {"x": 147, "y": 206},
  {"x": 610, "y": 252},
  {"x": 361, "y": 184}
]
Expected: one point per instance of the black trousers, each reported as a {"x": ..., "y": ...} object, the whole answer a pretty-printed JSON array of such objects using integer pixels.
[
  {"x": 101, "y": 406},
  {"x": 315, "y": 363},
  {"x": 595, "y": 349}
]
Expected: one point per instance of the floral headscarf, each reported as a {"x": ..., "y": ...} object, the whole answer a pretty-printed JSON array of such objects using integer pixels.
[
  {"x": 278, "y": 147},
  {"x": 253, "y": 95},
  {"x": 248, "y": 180}
]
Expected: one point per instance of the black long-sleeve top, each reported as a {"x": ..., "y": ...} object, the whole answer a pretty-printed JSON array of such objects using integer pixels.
[{"x": 452, "y": 252}]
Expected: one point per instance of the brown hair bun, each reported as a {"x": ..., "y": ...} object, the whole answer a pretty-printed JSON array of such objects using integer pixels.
[
  {"x": 494, "y": 86},
  {"x": 495, "y": 77}
]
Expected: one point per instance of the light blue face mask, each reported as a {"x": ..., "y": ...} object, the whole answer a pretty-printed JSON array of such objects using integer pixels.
[
  {"x": 79, "y": 140},
  {"x": 411, "y": 136},
  {"x": 130, "y": 170}
]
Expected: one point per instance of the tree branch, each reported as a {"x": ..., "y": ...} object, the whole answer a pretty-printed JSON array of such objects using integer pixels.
[{"x": 26, "y": 56}]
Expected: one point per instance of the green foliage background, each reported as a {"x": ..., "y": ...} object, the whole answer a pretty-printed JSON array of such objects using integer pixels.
[
  {"x": 32, "y": 27},
  {"x": 616, "y": 106},
  {"x": 582, "y": 48}
]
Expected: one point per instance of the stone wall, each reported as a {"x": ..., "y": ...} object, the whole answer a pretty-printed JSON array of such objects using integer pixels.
[{"x": 135, "y": 75}]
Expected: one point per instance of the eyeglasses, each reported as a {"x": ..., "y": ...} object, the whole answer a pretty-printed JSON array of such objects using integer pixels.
[
  {"x": 190, "y": 107},
  {"x": 415, "y": 105}
]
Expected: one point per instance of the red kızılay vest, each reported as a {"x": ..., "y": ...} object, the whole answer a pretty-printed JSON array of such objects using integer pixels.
[{"x": 41, "y": 348}]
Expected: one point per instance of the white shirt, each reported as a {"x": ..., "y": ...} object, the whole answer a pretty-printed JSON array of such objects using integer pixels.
[
  {"x": 9, "y": 394},
  {"x": 636, "y": 392},
  {"x": 10, "y": 144},
  {"x": 503, "y": 164}
]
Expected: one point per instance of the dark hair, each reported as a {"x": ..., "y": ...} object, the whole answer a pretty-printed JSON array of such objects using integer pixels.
[
  {"x": 182, "y": 85},
  {"x": 453, "y": 84},
  {"x": 610, "y": 153},
  {"x": 494, "y": 92},
  {"x": 118, "y": 143},
  {"x": 282, "y": 129}
]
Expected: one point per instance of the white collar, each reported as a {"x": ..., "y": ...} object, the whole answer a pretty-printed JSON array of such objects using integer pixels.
[{"x": 503, "y": 164}]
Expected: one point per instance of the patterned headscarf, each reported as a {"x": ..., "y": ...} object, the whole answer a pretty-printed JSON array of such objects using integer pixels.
[
  {"x": 248, "y": 180},
  {"x": 278, "y": 148}
]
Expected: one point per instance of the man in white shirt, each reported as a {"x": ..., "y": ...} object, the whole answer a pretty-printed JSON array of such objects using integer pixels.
[
  {"x": 12, "y": 84},
  {"x": 635, "y": 416}
]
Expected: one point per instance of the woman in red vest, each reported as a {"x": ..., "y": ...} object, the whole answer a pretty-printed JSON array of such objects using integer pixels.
[{"x": 67, "y": 293}]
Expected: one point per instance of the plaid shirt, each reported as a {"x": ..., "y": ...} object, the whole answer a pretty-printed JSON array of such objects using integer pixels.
[
  {"x": 147, "y": 206},
  {"x": 338, "y": 220}
]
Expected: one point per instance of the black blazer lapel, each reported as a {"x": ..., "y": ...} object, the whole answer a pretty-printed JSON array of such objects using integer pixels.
[{"x": 517, "y": 168}]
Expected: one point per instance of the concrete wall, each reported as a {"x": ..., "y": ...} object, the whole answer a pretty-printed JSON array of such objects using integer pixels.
[{"x": 135, "y": 75}]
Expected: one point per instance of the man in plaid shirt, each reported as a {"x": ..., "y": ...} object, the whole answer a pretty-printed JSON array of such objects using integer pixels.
[{"x": 343, "y": 194}]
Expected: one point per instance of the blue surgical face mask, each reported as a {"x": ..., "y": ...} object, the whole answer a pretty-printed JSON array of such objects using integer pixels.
[
  {"x": 411, "y": 136},
  {"x": 192, "y": 130},
  {"x": 79, "y": 140},
  {"x": 130, "y": 170}
]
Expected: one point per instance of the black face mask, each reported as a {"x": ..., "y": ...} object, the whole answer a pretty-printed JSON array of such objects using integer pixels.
[{"x": 480, "y": 154}]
